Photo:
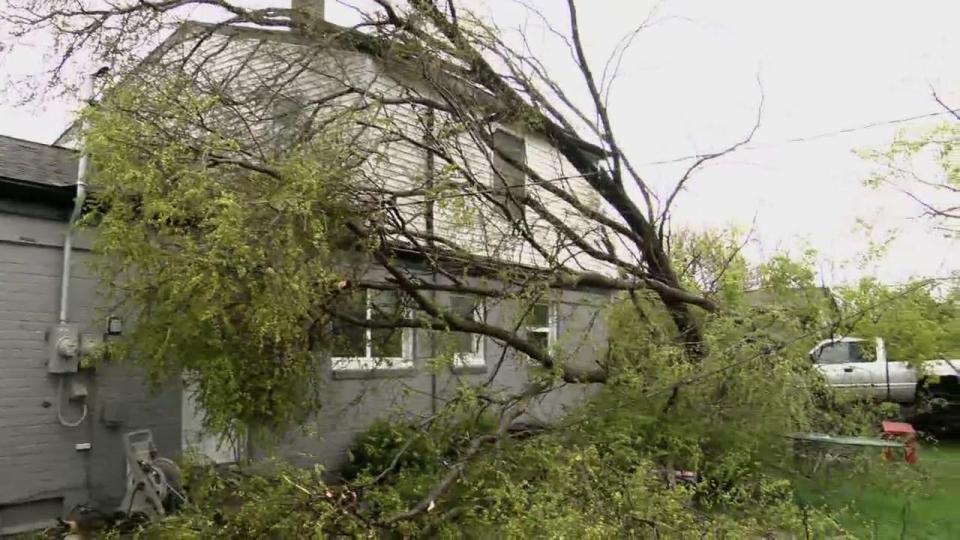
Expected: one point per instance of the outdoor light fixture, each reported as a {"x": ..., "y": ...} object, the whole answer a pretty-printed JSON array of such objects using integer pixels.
[{"x": 114, "y": 326}]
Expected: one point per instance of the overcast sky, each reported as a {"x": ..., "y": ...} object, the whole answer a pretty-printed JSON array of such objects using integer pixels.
[{"x": 689, "y": 85}]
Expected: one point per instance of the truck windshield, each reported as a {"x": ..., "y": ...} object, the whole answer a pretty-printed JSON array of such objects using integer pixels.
[{"x": 841, "y": 352}]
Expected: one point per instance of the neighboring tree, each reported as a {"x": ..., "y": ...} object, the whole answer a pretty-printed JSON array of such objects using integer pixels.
[
  {"x": 918, "y": 322},
  {"x": 925, "y": 166}
]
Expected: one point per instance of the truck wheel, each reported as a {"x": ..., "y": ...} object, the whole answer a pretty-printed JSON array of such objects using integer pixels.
[
  {"x": 931, "y": 407},
  {"x": 908, "y": 411}
]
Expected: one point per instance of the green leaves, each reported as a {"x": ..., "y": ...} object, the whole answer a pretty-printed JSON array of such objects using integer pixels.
[
  {"x": 918, "y": 320},
  {"x": 221, "y": 255},
  {"x": 925, "y": 166}
]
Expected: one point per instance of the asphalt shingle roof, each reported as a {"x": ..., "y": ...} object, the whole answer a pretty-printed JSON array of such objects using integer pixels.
[{"x": 37, "y": 163}]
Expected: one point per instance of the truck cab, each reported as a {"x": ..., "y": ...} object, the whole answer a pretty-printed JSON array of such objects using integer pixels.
[{"x": 861, "y": 366}]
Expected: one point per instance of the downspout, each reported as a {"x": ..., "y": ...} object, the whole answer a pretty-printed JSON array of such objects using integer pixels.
[
  {"x": 87, "y": 99},
  {"x": 428, "y": 218}
]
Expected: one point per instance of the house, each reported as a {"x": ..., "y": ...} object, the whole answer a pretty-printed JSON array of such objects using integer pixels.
[
  {"x": 55, "y": 465},
  {"x": 242, "y": 65}
]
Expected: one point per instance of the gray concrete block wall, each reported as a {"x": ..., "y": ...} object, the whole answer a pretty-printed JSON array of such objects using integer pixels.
[
  {"x": 39, "y": 462},
  {"x": 38, "y": 459},
  {"x": 350, "y": 406},
  {"x": 124, "y": 389},
  {"x": 581, "y": 341}
]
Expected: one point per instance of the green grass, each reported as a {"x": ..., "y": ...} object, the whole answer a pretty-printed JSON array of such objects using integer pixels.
[{"x": 895, "y": 500}]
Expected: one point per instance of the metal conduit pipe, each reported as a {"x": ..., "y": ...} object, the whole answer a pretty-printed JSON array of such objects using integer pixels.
[{"x": 87, "y": 95}]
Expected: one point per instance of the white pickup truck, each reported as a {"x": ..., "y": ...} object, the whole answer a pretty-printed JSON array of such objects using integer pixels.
[{"x": 850, "y": 364}]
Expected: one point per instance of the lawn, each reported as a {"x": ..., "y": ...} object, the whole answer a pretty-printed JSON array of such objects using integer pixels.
[{"x": 897, "y": 500}]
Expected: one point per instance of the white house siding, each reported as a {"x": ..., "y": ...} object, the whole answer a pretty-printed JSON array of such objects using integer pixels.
[
  {"x": 398, "y": 164},
  {"x": 471, "y": 222},
  {"x": 490, "y": 234},
  {"x": 554, "y": 168}
]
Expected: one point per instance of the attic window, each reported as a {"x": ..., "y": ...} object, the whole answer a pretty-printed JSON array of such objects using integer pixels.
[
  {"x": 288, "y": 121},
  {"x": 508, "y": 180}
]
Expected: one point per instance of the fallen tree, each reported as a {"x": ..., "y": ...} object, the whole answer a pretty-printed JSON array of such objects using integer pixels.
[{"x": 243, "y": 249}]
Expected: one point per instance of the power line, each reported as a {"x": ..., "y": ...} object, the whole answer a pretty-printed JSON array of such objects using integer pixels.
[
  {"x": 486, "y": 190},
  {"x": 805, "y": 138},
  {"x": 792, "y": 140}
]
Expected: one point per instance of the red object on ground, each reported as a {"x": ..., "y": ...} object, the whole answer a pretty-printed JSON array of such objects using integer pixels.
[{"x": 904, "y": 432}]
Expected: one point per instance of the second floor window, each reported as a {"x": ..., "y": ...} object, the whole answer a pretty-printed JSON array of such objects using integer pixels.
[
  {"x": 508, "y": 180},
  {"x": 288, "y": 122}
]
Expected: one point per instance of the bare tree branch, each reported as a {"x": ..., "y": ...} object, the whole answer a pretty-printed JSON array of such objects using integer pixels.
[
  {"x": 953, "y": 112},
  {"x": 708, "y": 157}
]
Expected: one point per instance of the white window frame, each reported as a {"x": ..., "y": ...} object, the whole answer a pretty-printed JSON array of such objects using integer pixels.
[
  {"x": 552, "y": 324},
  {"x": 370, "y": 362},
  {"x": 477, "y": 358}
]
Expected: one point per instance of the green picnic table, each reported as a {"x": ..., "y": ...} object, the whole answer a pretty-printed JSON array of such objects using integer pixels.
[
  {"x": 845, "y": 440},
  {"x": 816, "y": 450}
]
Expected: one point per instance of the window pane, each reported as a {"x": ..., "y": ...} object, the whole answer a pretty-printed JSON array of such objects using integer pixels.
[
  {"x": 348, "y": 339},
  {"x": 468, "y": 308},
  {"x": 506, "y": 176},
  {"x": 387, "y": 343},
  {"x": 539, "y": 338},
  {"x": 349, "y": 342},
  {"x": 464, "y": 343},
  {"x": 859, "y": 354},
  {"x": 289, "y": 121},
  {"x": 464, "y": 306},
  {"x": 509, "y": 148},
  {"x": 384, "y": 305},
  {"x": 539, "y": 316},
  {"x": 834, "y": 353}
]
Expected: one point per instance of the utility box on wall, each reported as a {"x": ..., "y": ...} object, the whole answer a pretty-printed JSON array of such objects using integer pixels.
[{"x": 63, "y": 348}]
